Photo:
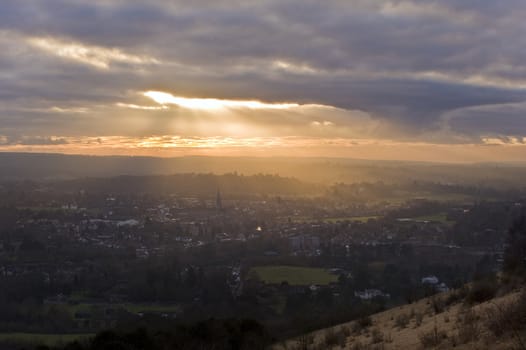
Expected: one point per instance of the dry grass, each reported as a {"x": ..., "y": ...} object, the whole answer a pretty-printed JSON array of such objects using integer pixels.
[{"x": 422, "y": 325}]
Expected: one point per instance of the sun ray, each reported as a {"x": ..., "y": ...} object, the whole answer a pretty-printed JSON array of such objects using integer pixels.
[{"x": 165, "y": 98}]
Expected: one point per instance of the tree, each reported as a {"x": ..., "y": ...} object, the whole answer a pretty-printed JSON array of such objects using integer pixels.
[{"x": 515, "y": 255}]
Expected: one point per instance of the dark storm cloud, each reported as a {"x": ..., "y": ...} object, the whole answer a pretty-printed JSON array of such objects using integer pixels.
[
  {"x": 494, "y": 120},
  {"x": 408, "y": 64}
]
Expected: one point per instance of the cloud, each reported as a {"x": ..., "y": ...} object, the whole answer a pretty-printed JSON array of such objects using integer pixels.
[
  {"x": 169, "y": 146},
  {"x": 324, "y": 123},
  {"x": 414, "y": 71},
  {"x": 165, "y": 98},
  {"x": 96, "y": 56},
  {"x": 145, "y": 108},
  {"x": 56, "y": 109},
  {"x": 32, "y": 141},
  {"x": 507, "y": 120}
]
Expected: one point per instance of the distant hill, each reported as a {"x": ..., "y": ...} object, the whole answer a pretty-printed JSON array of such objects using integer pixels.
[
  {"x": 191, "y": 185},
  {"x": 323, "y": 170}
]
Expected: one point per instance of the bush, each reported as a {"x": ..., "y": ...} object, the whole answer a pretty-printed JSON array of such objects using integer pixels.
[
  {"x": 432, "y": 338},
  {"x": 402, "y": 320},
  {"x": 342, "y": 339},
  {"x": 377, "y": 336},
  {"x": 419, "y": 317},
  {"x": 304, "y": 342},
  {"x": 365, "y": 322},
  {"x": 346, "y": 331},
  {"x": 456, "y": 296},
  {"x": 361, "y": 324},
  {"x": 210, "y": 334},
  {"x": 438, "y": 305},
  {"x": 330, "y": 337},
  {"x": 358, "y": 346},
  {"x": 514, "y": 257},
  {"x": 482, "y": 290},
  {"x": 508, "y": 317},
  {"x": 468, "y": 326}
]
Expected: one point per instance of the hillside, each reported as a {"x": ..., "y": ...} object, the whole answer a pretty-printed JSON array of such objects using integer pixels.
[{"x": 443, "y": 321}]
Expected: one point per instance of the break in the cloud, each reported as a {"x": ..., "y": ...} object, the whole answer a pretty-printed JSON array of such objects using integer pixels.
[
  {"x": 433, "y": 72},
  {"x": 165, "y": 98}
]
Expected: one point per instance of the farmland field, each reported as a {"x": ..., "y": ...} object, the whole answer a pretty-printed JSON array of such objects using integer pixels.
[
  {"x": 352, "y": 218},
  {"x": 40, "y": 338},
  {"x": 439, "y": 217},
  {"x": 293, "y": 275},
  {"x": 129, "y": 307}
]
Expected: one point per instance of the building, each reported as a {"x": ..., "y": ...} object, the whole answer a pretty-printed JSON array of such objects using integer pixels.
[
  {"x": 369, "y": 294},
  {"x": 433, "y": 280},
  {"x": 304, "y": 243},
  {"x": 219, "y": 202}
]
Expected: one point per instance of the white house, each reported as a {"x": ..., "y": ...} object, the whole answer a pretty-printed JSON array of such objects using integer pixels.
[
  {"x": 430, "y": 280},
  {"x": 369, "y": 294}
]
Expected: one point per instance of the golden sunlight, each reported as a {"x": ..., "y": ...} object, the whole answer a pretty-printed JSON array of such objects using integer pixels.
[
  {"x": 96, "y": 56},
  {"x": 172, "y": 145},
  {"x": 165, "y": 98}
]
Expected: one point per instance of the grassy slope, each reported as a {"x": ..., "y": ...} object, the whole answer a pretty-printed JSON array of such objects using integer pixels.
[{"x": 448, "y": 322}]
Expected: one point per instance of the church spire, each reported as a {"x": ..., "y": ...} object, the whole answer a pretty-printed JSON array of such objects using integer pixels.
[{"x": 219, "y": 203}]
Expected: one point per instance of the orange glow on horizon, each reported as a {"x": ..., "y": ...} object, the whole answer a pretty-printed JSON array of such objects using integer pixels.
[{"x": 175, "y": 146}]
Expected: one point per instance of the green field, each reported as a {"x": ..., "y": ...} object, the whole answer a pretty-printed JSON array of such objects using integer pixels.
[
  {"x": 129, "y": 307},
  {"x": 298, "y": 276},
  {"x": 159, "y": 308},
  {"x": 352, "y": 218},
  {"x": 333, "y": 220},
  {"x": 41, "y": 339},
  {"x": 439, "y": 217}
]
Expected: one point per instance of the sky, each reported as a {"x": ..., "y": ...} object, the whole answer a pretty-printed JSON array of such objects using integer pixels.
[{"x": 411, "y": 80}]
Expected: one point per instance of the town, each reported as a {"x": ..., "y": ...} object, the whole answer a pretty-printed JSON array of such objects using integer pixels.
[{"x": 76, "y": 257}]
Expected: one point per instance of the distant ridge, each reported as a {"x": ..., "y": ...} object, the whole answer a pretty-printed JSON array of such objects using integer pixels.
[{"x": 39, "y": 166}]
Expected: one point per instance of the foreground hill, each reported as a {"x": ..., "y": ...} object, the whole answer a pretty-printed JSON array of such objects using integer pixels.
[{"x": 443, "y": 321}]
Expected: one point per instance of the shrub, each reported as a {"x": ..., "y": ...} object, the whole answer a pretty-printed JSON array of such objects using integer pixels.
[
  {"x": 514, "y": 256},
  {"x": 468, "y": 326},
  {"x": 438, "y": 305},
  {"x": 432, "y": 338},
  {"x": 361, "y": 324},
  {"x": 419, "y": 317},
  {"x": 388, "y": 338},
  {"x": 304, "y": 341},
  {"x": 402, "y": 320},
  {"x": 330, "y": 337},
  {"x": 346, "y": 331},
  {"x": 358, "y": 346},
  {"x": 342, "y": 339},
  {"x": 482, "y": 290},
  {"x": 365, "y": 322},
  {"x": 456, "y": 296},
  {"x": 377, "y": 336},
  {"x": 508, "y": 317}
]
